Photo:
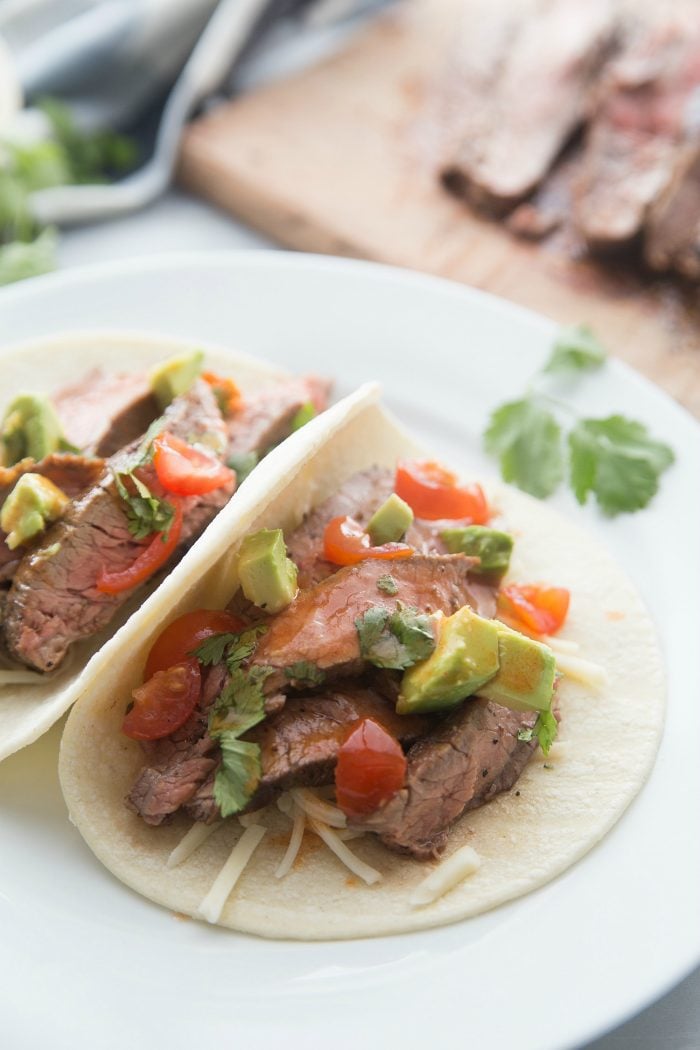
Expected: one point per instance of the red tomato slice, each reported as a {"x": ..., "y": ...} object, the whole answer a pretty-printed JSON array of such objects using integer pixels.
[
  {"x": 186, "y": 633},
  {"x": 185, "y": 470},
  {"x": 345, "y": 542},
  {"x": 432, "y": 492},
  {"x": 226, "y": 392},
  {"x": 371, "y": 769},
  {"x": 151, "y": 558},
  {"x": 534, "y": 608},
  {"x": 165, "y": 702}
]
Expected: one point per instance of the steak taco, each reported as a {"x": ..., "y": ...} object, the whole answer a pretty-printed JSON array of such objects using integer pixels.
[
  {"x": 389, "y": 700},
  {"x": 116, "y": 452}
]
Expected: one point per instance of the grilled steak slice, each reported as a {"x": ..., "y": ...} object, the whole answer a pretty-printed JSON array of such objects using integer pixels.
[
  {"x": 72, "y": 474},
  {"x": 299, "y": 745},
  {"x": 559, "y": 52},
  {"x": 672, "y": 239},
  {"x": 635, "y": 139},
  {"x": 465, "y": 761},
  {"x": 266, "y": 417},
  {"x": 104, "y": 411},
  {"x": 319, "y": 625},
  {"x": 53, "y": 600}
]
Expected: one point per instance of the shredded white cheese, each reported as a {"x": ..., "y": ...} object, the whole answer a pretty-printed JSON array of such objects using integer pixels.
[
  {"x": 213, "y": 904},
  {"x": 315, "y": 807},
  {"x": 446, "y": 876},
  {"x": 346, "y": 856},
  {"x": 561, "y": 645},
  {"x": 584, "y": 671},
  {"x": 295, "y": 841},
  {"x": 347, "y": 834},
  {"x": 285, "y": 804},
  {"x": 190, "y": 842},
  {"x": 247, "y": 819}
]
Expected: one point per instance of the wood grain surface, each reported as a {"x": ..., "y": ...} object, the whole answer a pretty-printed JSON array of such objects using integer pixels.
[{"x": 342, "y": 159}]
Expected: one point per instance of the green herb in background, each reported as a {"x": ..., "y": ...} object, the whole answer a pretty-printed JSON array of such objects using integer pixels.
[
  {"x": 68, "y": 158},
  {"x": 615, "y": 458}
]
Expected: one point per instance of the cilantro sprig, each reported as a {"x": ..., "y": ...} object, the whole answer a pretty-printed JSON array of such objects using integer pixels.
[
  {"x": 395, "y": 640},
  {"x": 544, "y": 731},
  {"x": 615, "y": 459},
  {"x": 145, "y": 513}
]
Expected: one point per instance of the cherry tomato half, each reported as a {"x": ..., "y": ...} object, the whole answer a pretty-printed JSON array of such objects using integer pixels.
[
  {"x": 432, "y": 492},
  {"x": 165, "y": 702},
  {"x": 185, "y": 470},
  {"x": 226, "y": 392},
  {"x": 148, "y": 561},
  {"x": 345, "y": 542},
  {"x": 186, "y": 633},
  {"x": 534, "y": 608},
  {"x": 371, "y": 768}
]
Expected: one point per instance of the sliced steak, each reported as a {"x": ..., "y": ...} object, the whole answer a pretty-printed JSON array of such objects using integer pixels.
[
  {"x": 319, "y": 625},
  {"x": 463, "y": 762},
  {"x": 299, "y": 745},
  {"x": 266, "y": 416},
  {"x": 672, "y": 240},
  {"x": 636, "y": 136},
  {"x": 54, "y": 600},
  {"x": 72, "y": 474},
  {"x": 558, "y": 52},
  {"x": 104, "y": 411}
]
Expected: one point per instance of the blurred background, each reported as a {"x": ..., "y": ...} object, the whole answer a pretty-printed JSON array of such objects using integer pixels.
[{"x": 545, "y": 150}]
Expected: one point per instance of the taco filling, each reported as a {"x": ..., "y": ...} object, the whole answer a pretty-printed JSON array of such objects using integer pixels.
[
  {"x": 374, "y": 654},
  {"x": 108, "y": 482}
]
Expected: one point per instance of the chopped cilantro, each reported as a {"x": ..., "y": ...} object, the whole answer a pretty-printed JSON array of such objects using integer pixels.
[
  {"x": 241, "y": 703},
  {"x": 618, "y": 461},
  {"x": 576, "y": 349},
  {"x": 305, "y": 414},
  {"x": 305, "y": 673},
  {"x": 387, "y": 584},
  {"x": 239, "y": 707},
  {"x": 395, "y": 640},
  {"x": 238, "y": 775},
  {"x": 235, "y": 648},
  {"x": 145, "y": 513},
  {"x": 243, "y": 465},
  {"x": 527, "y": 440},
  {"x": 545, "y": 730}
]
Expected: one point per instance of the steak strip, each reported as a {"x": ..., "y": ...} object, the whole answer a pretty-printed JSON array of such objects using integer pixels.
[{"x": 460, "y": 764}]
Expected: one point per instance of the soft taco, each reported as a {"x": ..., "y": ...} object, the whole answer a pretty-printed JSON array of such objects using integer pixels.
[
  {"x": 116, "y": 452},
  {"x": 363, "y": 741}
]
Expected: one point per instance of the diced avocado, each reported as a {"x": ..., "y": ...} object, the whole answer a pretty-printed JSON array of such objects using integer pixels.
[
  {"x": 525, "y": 678},
  {"x": 390, "y": 522},
  {"x": 305, "y": 414},
  {"x": 491, "y": 546},
  {"x": 30, "y": 427},
  {"x": 465, "y": 657},
  {"x": 268, "y": 577},
  {"x": 33, "y": 503},
  {"x": 175, "y": 376}
]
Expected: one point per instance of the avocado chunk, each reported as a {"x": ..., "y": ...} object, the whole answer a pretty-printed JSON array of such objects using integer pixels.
[
  {"x": 268, "y": 577},
  {"x": 465, "y": 657},
  {"x": 390, "y": 522},
  {"x": 492, "y": 547},
  {"x": 30, "y": 427},
  {"x": 33, "y": 503},
  {"x": 175, "y": 376},
  {"x": 306, "y": 413},
  {"x": 525, "y": 678}
]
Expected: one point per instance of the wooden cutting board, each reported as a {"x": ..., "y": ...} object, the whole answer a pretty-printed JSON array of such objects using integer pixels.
[{"x": 341, "y": 159}]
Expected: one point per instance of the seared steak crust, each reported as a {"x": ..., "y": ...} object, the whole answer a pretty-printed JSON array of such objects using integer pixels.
[
  {"x": 463, "y": 762},
  {"x": 54, "y": 600}
]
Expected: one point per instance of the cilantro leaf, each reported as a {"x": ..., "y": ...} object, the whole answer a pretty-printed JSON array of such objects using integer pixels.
[
  {"x": 527, "y": 440},
  {"x": 545, "y": 730},
  {"x": 576, "y": 349},
  {"x": 243, "y": 465},
  {"x": 241, "y": 703},
  {"x": 145, "y": 513},
  {"x": 212, "y": 649},
  {"x": 395, "y": 640},
  {"x": 238, "y": 775},
  {"x": 234, "y": 647},
  {"x": 618, "y": 461},
  {"x": 21, "y": 259},
  {"x": 387, "y": 584},
  {"x": 305, "y": 673}
]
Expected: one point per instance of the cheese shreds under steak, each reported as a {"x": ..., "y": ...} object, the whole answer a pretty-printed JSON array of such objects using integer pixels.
[
  {"x": 190, "y": 842},
  {"x": 315, "y": 807},
  {"x": 213, "y": 904},
  {"x": 586, "y": 672},
  {"x": 295, "y": 841},
  {"x": 345, "y": 856},
  {"x": 463, "y": 863}
]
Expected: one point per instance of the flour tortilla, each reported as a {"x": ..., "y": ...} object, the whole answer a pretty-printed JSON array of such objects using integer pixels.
[
  {"x": 28, "y": 710},
  {"x": 609, "y": 740}
]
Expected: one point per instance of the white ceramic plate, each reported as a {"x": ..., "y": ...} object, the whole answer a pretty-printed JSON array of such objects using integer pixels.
[{"x": 86, "y": 963}]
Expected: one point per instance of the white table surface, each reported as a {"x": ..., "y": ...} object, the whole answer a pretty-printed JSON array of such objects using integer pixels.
[{"x": 178, "y": 222}]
